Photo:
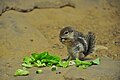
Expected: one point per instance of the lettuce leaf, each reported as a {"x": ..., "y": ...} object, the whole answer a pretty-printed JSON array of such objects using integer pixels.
[
  {"x": 41, "y": 59},
  {"x": 96, "y": 61},
  {"x": 46, "y": 59},
  {"x": 63, "y": 64},
  {"x": 39, "y": 64},
  {"x": 28, "y": 60},
  {"x": 27, "y": 65},
  {"x": 83, "y": 64},
  {"x": 21, "y": 72}
]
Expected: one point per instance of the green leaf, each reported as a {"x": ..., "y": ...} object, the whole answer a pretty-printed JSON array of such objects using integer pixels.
[
  {"x": 63, "y": 64},
  {"x": 83, "y": 64},
  {"x": 49, "y": 64},
  {"x": 27, "y": 60},
  {"x": 21, "y": 72},
  {"x": 49, "y": 59},
  {"x": 27, "y": 65},
  {"x": 35, "y": 56},
  {"x": 45, "y": 57},
  {"x": 39, "y": 64},
  {"x": 79, "y": 62},
  {"x": 40, "y": 56},
  {"x": 96, "y": 61}
]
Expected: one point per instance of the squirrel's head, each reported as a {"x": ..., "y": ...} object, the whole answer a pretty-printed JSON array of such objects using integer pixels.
[{"x": 66, "y": 35}]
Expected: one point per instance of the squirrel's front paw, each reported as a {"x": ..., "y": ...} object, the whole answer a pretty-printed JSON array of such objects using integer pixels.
[{"x": 66, "y": 58}]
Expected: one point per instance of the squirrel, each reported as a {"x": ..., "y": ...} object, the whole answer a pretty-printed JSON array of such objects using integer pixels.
[{"x": 78, "y": 44}]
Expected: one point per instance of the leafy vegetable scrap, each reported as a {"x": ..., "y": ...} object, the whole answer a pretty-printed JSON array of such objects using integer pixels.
[
  {"x": 83, "y": 64},
  {"x": 39, "y": 71},
  {"x": 46, "y": 59},
  {"x": 96, "y": 61},
  {"x": 63, "y": 64},
  {"x": 53, "y": 68},
  {"x": 86, "y": 64},
  {"x": 21, "y": 72},
  {"x": 40, "y": 60}
]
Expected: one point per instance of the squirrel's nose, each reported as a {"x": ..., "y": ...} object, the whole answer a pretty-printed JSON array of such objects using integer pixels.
[{"x": 62, "y": 39}]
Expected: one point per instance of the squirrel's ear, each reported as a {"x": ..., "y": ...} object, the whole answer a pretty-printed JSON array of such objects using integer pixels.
[{"x": 72, "y": 29}]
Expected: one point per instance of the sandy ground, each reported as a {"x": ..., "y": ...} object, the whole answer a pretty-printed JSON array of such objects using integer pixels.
[{"x": 24, "y": 33}]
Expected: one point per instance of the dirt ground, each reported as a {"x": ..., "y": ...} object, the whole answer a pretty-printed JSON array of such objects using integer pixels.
[{"x": 23, "y": 33}]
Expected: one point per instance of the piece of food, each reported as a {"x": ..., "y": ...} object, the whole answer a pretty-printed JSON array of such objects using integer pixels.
[
  {"x": 64, "y": 64},
  {"x": 39, "y": 64},
  {"x": 83, "y": 64},
  {"x": 28, "y": 60},
  {"x": 79, "y": 62},
  {"x": 46, "y": 59},
  {"x": 39, "y": 71},
  {"x": 96, "y": 61},
  {"x": 71, "y": 63},
  {"x": 21, "y": 72},
  {"x": 53, "y": 68},
  {"x": 27, "y": 65},
  {"x": 41, "y": 60}
]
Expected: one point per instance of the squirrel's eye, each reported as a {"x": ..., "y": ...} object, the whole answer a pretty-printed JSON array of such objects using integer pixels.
[{"x": 66, "y": 32}]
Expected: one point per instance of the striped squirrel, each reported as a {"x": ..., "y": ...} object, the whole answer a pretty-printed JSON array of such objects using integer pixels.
[{"x": 78, "y": 45}]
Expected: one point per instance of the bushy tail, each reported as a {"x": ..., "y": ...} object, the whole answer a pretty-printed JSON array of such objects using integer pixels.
[{"x": 90, "y": 38}]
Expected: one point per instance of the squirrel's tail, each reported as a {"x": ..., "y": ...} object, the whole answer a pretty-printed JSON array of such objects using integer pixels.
[{"x": 90, "y": 38}]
